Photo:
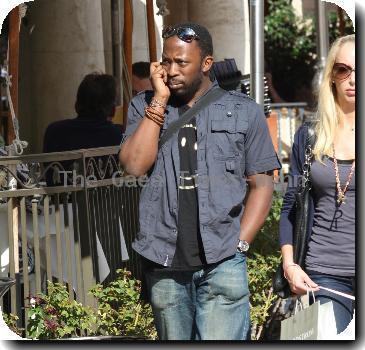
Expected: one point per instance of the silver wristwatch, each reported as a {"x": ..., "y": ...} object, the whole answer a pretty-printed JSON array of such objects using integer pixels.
[{"x": 243, "y": 246}]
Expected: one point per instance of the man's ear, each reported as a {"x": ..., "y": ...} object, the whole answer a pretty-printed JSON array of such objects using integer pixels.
[{"x": 207, "y": 63}]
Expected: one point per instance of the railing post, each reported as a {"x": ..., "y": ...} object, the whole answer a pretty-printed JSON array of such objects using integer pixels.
[
  {"x": 87, "y": 240},
  {"x": 13, "y": 234},
  {"x": 272, "y": 123},
  {"x": 127, "y": 48},
  {"x": 280, "y": 146}
]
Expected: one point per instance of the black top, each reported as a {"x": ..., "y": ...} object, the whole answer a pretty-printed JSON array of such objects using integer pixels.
[
  {"x": 331, "y": 248},
  {"x": 189, "y": 254},
  {"x": 189, "y": 248},
  {"x": 81, "y": 132},
  {"x": 78, "y": 133}
]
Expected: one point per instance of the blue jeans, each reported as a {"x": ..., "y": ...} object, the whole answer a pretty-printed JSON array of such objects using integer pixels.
[
  {"x": 343, "y": 308},
  {"x": 211, "y": 303}
]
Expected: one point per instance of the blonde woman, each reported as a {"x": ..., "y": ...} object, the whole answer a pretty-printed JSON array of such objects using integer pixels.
[{"x": 330, "y": 254}]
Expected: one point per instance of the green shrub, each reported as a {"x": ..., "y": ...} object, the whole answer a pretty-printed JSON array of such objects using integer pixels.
[
  {"x": 120, "y": 312},
  {"x": 263, "y": 259},
  {"x": 11, "y": 321},
  {"x": 290, "y": 48},
  {"x": 260, "y": 271},
  {"x": 334, "y": 26},
  {"x": 53, "y": 315},
  {"x": 267, "y": 240}
]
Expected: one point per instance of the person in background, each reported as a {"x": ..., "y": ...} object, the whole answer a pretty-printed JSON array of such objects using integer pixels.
[
  {"x": 95, "y": 104},
  {"x": 140, "y": 77},
  {"x": 330, "y": 255},
  {"x": 273, "y": 93},
  {"x": 195, "y": 224}
]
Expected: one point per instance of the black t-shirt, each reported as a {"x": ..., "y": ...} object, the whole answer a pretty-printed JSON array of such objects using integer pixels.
[
  {"x": 189, "y": 254},
  {"x": 189, "y": 248}
]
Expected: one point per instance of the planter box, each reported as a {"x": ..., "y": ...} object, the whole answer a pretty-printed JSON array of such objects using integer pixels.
[{"x": 107, "y": 338}]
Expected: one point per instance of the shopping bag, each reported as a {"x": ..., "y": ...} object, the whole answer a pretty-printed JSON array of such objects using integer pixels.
[
  {"x": 316, "y": 322},
  {"x": 349, "y": 332}
]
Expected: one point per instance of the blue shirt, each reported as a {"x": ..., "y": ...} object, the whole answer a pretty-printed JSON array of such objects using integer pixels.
[{"x": 233, "y": 141}]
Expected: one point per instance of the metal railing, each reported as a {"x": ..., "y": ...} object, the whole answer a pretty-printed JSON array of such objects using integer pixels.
[{"x": 65, "y": 217}]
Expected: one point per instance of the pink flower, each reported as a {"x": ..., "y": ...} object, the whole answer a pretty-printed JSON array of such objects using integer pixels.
[
  {"x": 51, "y": 310},
  {"x": 51, "y": 324},
  {"x": 39, "y": 300}
]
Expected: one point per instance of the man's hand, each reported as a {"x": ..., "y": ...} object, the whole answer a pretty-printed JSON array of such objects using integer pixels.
[
  {"x": 159, "y": 81},
  {"x": 139, "y": 151}
]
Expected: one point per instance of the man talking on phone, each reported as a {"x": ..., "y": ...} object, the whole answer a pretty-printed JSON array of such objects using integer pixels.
[{"x": 201, "y": 146}]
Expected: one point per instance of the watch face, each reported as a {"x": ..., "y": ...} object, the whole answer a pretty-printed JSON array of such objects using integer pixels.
[{"x": 243, "y": 246}]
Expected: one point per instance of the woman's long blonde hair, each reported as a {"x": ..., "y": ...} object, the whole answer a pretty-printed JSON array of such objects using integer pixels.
[{"x": 329, "y": 112}]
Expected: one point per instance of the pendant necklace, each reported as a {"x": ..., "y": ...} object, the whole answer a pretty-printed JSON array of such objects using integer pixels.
[{"x": 341, "y": 192}]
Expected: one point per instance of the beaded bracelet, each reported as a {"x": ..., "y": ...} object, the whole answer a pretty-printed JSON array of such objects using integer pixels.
[
  {"x": 153, "y": 110},
  {"x": 157, "y": 121},
  {"x": 155, "y": 113},
  {"x": 157, "y": 103},
  {"x": 154, "y": 120},
  {"x": 156, "y": 117}
]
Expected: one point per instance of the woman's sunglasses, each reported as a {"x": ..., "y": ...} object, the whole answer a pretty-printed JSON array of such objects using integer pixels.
[
  {"x": 183, "y": 33},
  {"x": 341, "y": 71}
]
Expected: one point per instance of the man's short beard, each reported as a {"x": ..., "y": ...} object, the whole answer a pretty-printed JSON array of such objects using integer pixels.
[{"x": 188, "y": 93}]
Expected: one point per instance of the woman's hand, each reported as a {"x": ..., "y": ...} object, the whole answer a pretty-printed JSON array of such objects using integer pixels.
[{"x": 298, "y": 280}]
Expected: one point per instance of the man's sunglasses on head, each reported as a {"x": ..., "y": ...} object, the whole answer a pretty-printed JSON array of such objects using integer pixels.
[{"x": 183, "y": 33}]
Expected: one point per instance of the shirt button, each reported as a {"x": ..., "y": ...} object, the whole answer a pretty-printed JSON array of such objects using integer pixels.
[{"x": 229, "y": 114}]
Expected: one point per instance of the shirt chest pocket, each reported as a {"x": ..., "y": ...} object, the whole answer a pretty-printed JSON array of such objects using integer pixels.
[{"x": 227, "y": 134}]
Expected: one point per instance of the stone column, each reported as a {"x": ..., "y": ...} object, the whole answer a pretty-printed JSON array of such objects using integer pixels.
[
  {"x": 178, "y": 12},
  {"x": 65, "y": 42},
  {"x": 227, "y": 21}
]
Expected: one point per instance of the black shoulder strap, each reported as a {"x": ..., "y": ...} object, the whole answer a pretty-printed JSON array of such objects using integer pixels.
[
  {"x": 311, "y": 136},
  {"x": 204, "y": 102}
]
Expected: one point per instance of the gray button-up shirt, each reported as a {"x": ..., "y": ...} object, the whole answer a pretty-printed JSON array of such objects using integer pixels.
[{"x": 233, "y": 141}]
